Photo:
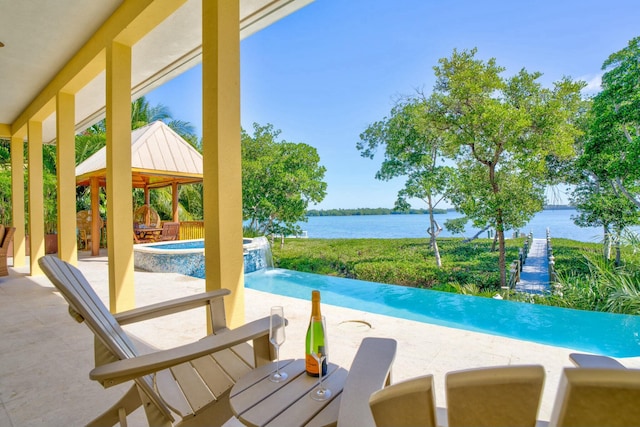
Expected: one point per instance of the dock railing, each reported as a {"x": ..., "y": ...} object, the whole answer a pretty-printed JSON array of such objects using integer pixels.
[{"x": 516, "y": 266}]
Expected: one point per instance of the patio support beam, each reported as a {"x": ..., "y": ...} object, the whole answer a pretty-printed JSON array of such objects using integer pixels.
[
  {"x": 119, "y": 177},
  {"x": 222, "y": 178},
  {"x": 65, "y": 128},
  {"x": 128, "y": 24},
  {"x": 36, "y": 199},
  {"x": 17, "y": 199}
]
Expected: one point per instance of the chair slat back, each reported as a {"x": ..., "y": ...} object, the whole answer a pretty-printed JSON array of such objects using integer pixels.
[
  {"x": 598, "y": 397},
  {"x": 370, "y": 371},
  {"x": 170, "y": 231},
  {"x": 83, "y": 299},
  {"x": 494, "y": 396},
  {"x": 405, "y": 404},
  {"x": 85, "y": 302}
]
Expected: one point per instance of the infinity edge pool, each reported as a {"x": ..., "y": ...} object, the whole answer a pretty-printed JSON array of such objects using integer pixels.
[{"x": 615, "y": 335}]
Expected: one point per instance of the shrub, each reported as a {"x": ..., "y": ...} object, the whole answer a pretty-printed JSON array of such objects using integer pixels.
[{"x": 407, "y": 262}]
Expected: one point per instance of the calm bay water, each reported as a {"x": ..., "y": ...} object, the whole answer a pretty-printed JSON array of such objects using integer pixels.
[{"x": 398, "y": 226}]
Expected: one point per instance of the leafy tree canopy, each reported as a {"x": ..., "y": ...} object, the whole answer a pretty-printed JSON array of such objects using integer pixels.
[
  {"x": 279, "y": 179},
  {"x": 501, "y": 131},
  {"x": 613, "y": 146}
]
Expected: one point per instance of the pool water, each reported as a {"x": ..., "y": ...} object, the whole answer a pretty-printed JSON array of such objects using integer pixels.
[
  {"x": 187, "y": 256},
  {"x": 614, "y": 335}
]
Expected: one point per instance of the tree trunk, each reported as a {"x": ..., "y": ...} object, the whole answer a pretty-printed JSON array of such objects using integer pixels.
[
  {"x": 626, "y": 193},
  {"x": 501, "y": 251},
  {"x": 606, "y": 251},
  {"x": 499, "y": 228},
  {"x": 618, "y": 260},
  {"x": 495, "y": 241},
  {"x": 434, "y": 230},
  {"x": 475, "y": 236}
]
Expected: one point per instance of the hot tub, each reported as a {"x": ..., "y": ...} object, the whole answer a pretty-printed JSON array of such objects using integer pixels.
[{"x": 187, "y": 256}]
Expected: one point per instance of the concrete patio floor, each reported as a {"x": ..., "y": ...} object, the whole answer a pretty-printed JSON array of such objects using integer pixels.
[{"x": 47, "y": 356}]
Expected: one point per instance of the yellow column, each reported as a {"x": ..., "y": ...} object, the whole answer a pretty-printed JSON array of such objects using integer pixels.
[
  {"x": 222, "y": 179},
  {"x": 36, "y": 202},
  {"x": 17, "y": 199},
  {"x": 119, "y": 178},
  {"x": 66, "y": 158}
]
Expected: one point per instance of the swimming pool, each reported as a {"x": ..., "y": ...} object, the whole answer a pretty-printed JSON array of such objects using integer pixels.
[
  {"x": 187, "y": 256},
  {"x": 614, "y": 335}
]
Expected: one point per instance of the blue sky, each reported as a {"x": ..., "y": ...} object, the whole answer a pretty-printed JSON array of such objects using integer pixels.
[{"x": 326, "y": 72}]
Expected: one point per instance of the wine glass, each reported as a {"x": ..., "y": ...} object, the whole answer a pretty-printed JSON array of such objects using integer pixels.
[
  {"x": 319, "y": 349},
  {"x": 277, "y": 337}
]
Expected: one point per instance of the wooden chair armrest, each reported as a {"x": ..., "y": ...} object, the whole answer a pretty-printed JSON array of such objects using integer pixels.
[
  {"x": 169, "y": 307},
  {"x": 124, "y": 370},
  {"x": 582, "y": 360},
  {"x": 370, "y": 371}
]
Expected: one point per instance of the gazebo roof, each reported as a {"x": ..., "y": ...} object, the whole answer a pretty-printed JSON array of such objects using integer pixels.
[{"x": 159, "y": 157}]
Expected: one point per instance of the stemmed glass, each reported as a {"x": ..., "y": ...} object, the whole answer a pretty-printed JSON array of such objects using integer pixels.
[
  {"x": 319, "y": 349},
  {"x": 277, "y": 337}
]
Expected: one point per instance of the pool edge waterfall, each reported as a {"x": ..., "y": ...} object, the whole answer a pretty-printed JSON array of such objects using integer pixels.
[{"x": 187, "y": 256}]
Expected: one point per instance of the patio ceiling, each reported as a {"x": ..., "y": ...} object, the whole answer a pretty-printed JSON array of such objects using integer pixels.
[{"x": 39, "y": 38}]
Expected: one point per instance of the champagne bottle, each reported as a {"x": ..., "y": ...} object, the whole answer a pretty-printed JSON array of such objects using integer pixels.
[{"x": 311, "y": 364}]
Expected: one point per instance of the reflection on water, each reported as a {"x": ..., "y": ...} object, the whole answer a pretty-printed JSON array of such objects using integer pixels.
[{"x": 608, "y": 334}]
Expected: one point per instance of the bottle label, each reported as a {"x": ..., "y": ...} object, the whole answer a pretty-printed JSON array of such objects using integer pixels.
[{"x": 311, "y": 365}]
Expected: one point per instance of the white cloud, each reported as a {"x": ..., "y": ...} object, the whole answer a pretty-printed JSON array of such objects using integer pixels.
[{"x": 593, "y": 84}]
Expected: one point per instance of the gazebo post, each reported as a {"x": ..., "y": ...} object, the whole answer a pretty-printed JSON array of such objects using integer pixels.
[
  {"x": 174, "y": 201},
  {"x": 147, "y": 201}
]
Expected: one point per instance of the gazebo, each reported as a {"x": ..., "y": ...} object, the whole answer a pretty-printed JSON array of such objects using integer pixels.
[{"x": 159, "y": 158}]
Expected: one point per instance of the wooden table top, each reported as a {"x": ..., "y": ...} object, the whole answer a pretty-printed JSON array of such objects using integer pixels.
[
  {"x": 256, "y": 401},
  {"x": 149, "y": 231}
]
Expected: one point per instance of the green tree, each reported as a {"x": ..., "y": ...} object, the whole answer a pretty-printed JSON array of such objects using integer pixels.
[
  {"x": 279, "y": 179},
  {"x": 602, "y": 204},
  {"x": 614, "y": 132},
  {"x": 501, "y": 131},
  {"x": 413, "y": 148},
  {"x": 608, "y": 169}
]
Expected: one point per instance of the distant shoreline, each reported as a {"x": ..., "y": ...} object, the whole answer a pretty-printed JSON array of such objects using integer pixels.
[{"x": 387, "y": 211}]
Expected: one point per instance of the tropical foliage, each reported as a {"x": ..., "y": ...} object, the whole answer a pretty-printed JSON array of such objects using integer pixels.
[
  {"x": 613, "y": 146},
  {"x": 49, "y": 185},
  {"x": 606, "y": 173},
  {"x": 407, "y": 262},
  {"x": 279, "y": 180}
]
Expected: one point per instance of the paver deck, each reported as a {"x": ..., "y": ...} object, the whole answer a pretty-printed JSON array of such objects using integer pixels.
[{"x": 534, "y": 278}]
